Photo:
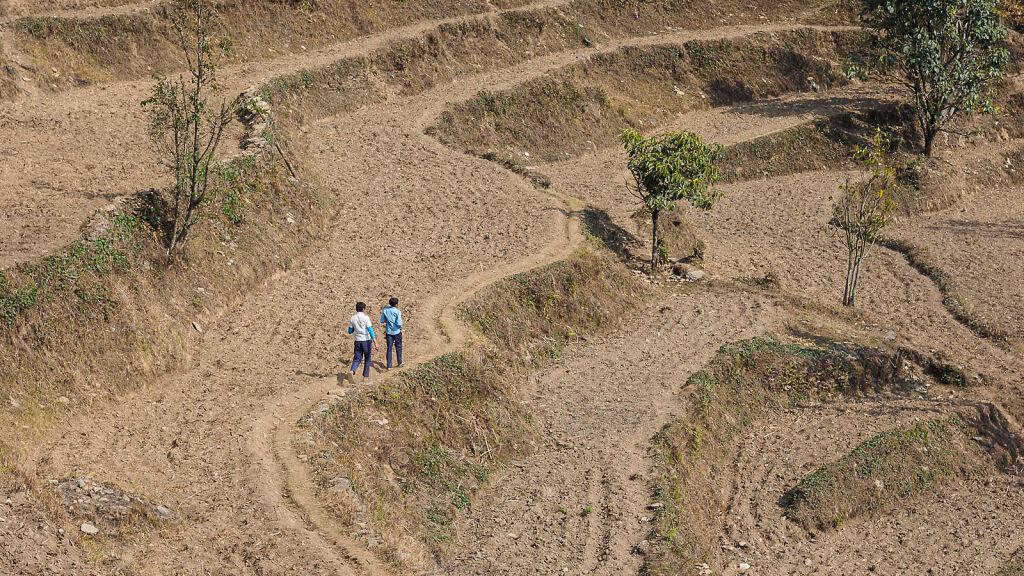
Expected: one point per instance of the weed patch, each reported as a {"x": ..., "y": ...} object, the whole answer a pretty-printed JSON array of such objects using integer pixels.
[
  {"x": 921, "y": 260},
  {"x": 889, "y": 467},
  {"x": 99, "y": 49},
  {"x": 755, "y": 379},
  {"x": 1015, "y": 566},
  {"x": 586, "y": 105},
  {"x": 110, "y": 311},
  {"x": 816, "y": 145}
]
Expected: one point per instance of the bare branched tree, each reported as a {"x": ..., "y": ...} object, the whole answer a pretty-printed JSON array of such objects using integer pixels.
[
  {"x": 864, "y": 209},
  {"x": 183, "y": 125}
]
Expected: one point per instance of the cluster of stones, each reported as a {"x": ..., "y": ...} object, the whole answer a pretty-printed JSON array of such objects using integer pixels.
[
  {"x": 364, "y": 522},
  {"x": 106, "y": 504},
  {"x": 254, "y": 112}
]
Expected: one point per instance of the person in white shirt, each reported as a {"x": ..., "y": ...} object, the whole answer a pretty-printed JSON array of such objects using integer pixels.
[{"x": 361, "y": 328}]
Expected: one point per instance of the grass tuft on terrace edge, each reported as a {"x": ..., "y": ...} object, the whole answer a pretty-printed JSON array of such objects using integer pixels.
[{"x": 889, "y": 467}]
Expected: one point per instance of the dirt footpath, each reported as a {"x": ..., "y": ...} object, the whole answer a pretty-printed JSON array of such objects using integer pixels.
[
  {"x": 428, "y": 224},
  {"x": 190, "y": 444},
  {"x": 780, "y": 226}
]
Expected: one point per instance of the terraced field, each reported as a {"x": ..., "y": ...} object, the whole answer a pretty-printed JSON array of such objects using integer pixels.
[{"x": 457, "y": 153}]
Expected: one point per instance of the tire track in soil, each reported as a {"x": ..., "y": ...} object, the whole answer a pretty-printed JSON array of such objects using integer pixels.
[
  {"x": 451, "y": 334},
  {"x": 929, "y": 533},
  {"x": 265, "y": 336},
  {"x": 598, "y": 409},
  {"x": 260, "y": 361}
]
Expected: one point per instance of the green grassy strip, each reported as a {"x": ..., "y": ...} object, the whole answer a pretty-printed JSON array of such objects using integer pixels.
[
  {"x": 454, "y": 420},
  {"x": 891, "y": 466},
  {"x": 746, "y": 382}
]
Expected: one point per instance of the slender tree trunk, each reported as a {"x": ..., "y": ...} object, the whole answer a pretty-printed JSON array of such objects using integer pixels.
[
  {"x": 848, "y": 289},
  {"x": 929, "y": 141},
  {"x": 856, "y": 280},
  {"x": 655, "y": 256}
]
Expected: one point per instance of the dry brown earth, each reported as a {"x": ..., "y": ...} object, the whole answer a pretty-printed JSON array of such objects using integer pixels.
[
  {"x": 980, "y": 244},
  {"x": 431, "y": 224},
  {"x": 581, "y": 504}
]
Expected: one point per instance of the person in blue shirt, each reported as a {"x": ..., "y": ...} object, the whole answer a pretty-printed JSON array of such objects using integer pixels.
[{"x": 391, "y": 318}]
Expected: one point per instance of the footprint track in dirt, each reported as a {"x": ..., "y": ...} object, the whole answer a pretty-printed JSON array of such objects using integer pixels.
[
  {"x": 585, "y": 495},
  {"x": 929, "y": 533}
]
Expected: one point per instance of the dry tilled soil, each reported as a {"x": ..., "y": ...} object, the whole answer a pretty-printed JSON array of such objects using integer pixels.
[{"x": 561, "y": 411}]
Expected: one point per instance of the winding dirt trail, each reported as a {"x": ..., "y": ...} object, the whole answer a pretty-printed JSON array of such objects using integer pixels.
[
  {"x": 780, "y": 225},
  {"x": 194, "y": 442},
  {"x": 72, "y": 153},
  {"x": 433, "y": 226}
]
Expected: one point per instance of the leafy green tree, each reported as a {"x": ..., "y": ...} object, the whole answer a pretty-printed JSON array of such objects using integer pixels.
[
  {"x": 185, "y": 128},
  {"x": 865, "y": 208},
  {"x": 667, "y": 169},
  {"x": 949, "y": 54}
]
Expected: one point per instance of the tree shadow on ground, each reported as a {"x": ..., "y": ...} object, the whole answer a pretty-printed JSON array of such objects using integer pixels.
[
  {"x": 619, "y": 240},
  {"x": 1000, "y": 230},
  {"x": 816, "y": 104}
]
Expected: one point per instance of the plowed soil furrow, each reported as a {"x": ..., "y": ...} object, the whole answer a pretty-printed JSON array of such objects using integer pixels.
[
  {"x": 598, "y": 410},
  {"x": 73, "y": 152},
  {"x": 586, "y": 176},
  {"x": 929, "y": 534},
  {"x": 780, "y": 225},
  {"x": 201, "y": 442},
  {"x": 979, "y": 243},
  {"x": 430, "y": 225}
]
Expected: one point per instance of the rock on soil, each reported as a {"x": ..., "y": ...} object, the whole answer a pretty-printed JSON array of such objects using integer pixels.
[{"x": 106, "y": 504}]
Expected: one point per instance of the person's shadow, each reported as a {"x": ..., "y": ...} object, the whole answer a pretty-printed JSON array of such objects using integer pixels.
[{"x": 341, "y": 376}]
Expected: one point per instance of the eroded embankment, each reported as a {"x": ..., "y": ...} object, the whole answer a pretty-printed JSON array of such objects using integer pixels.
[
  {"x": 104, "y": 122},
  {"x": 66, "y": 51},
  {"x": 719, "y": 513},
  {"x": 586, "y": 105},
  {"x": 111, "y": 311},
  {"x": 62, "y": 51},
  {"x": 106, "y": 277}
]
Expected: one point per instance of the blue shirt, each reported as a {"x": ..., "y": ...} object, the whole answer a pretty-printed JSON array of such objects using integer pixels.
[{"x": 391, "y": 318}]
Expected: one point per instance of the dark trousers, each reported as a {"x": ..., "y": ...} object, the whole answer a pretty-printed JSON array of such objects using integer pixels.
[
  {"x": 362, "y": 354},
  {"x": 395, "y": 343}
]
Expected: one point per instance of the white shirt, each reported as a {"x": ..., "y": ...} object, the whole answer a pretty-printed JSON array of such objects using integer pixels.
[{"x": 360, "y": 327}]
